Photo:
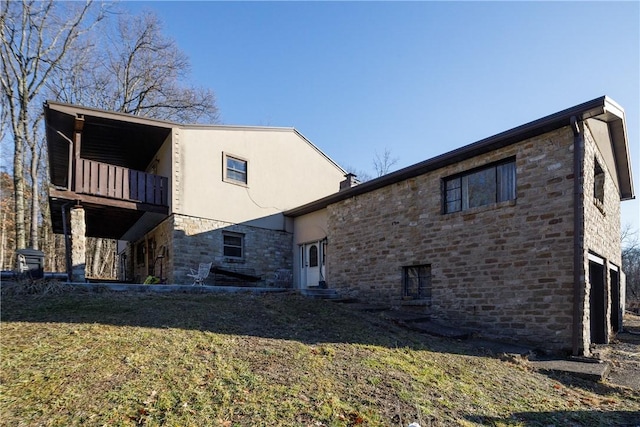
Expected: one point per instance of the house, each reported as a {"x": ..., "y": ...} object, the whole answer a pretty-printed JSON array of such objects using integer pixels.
[
  {"x": 177, "y": 195},
  {"x": 516, "y": 236}
]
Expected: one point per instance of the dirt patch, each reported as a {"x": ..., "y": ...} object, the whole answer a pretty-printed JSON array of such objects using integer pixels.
[{"x": 624, "y": 354}]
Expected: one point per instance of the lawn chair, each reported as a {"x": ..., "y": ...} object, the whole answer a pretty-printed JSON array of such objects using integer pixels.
[{"x": 201, "y": 274}]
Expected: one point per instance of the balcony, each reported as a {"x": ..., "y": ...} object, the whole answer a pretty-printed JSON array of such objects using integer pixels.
[
  {"x": 114, "y": 199},
  {"x": 105, "y": 180},
  {"x": 96, "y": 159}
]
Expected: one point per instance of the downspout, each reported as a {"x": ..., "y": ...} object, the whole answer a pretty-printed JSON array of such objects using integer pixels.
[
  {"x": 578, "y": 233},
  {"x": 70, "y": 170}
]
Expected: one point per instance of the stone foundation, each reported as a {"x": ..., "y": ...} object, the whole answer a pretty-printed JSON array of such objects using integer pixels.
[{"x": 189, "y": 240}]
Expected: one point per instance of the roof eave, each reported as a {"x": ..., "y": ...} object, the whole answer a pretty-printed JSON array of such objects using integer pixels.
[
  {"x": 596, "y": 107},
  {"x": 615, "y": 117},
  {"x": 75, "y": 110}
]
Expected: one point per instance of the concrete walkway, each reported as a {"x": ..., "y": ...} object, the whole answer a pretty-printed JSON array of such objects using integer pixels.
[{"x": 129, "y": 287}]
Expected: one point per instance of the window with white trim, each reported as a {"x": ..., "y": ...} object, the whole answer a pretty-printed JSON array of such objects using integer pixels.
[
  {"x": 480, "y": 187},
  {"x": 235, "y": 169},
  {"x": 233, "y": 245}
]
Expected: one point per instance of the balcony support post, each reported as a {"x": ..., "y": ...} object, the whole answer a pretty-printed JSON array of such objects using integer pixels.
[
  {"x": 77, "y": 146},
  {"x": 78, "y": 244}
]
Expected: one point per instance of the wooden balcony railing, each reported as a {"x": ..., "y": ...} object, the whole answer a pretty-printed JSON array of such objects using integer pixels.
[{"x": 102, "y": 179}]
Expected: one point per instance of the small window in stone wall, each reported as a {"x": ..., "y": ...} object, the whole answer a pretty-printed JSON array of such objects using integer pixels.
[
  {"x": 598, "y": 186},
  {"x": 416, "y": 281},
  {"x": 233, "y": 245}
]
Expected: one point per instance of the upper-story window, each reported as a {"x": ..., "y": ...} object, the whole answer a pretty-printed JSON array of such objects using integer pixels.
[
  {"x": 598, "y": 185},
  {"x": 480, "y": 187},
  {"x": 235, "y": 169}
]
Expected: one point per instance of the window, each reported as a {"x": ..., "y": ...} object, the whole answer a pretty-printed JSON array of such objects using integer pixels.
[
  {"x": 480, "y": 187},
  {"x": 140, "y": 251},
  {"x": 598, "y": 186},
  {"x": 417, "y": 281},
  {"x": 233, "y": 245},
  {"x": 235, "y": 169},
  {"x": 313, "y": 256},
  {"x": 324, "y": 252}
]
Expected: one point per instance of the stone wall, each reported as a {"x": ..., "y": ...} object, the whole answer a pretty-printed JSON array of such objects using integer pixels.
[
  {"x": 504, "y": 269},
  {"x": 602, "y": 228},
  {"x": 197, "y": 240},
  {"x": 158, "y": 241},
  {"x": 190, "y": 240}
]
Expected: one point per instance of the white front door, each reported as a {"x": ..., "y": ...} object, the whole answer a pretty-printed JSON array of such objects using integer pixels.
[{"x": 311, "y": 262}]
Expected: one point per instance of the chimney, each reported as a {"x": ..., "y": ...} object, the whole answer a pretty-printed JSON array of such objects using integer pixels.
[{"x": 350, "y": 181}]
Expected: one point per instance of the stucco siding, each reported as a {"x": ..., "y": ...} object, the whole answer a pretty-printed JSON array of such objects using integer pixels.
[
  {"x": 307, "y": 228},
  {"x": 283, "y": 171}
]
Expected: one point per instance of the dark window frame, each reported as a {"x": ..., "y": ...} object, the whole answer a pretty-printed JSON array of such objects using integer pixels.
[
  {"x": 417, "y": 281},
  {"x": 598, "y": 185},
  {"x": 455, "y": 188},
  {"x": 140, "y": 252},
  {"x": 233, "y": 249}
]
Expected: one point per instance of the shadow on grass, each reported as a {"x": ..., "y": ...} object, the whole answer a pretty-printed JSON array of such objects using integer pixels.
[
  {"x": 277, "y": 316},
  {"x": 562, "y": 418}
]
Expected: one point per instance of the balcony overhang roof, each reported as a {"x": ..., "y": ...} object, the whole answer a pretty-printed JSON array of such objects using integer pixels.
[{"x": 108, "y": 137}]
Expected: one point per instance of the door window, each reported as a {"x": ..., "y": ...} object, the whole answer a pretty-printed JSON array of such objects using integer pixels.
[{"x": 313, "y": 256}]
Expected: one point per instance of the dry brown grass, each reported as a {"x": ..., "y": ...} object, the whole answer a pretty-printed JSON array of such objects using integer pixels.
[{"x": 245, "y": 360}]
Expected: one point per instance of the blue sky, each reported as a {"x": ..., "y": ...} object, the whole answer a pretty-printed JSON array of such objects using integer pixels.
[{"x": 417, "y": 78}]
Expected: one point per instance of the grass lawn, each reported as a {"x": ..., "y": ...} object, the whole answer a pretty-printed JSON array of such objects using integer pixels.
[{"x": 242, "y": 360}]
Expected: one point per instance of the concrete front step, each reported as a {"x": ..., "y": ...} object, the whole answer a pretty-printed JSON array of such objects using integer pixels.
[{"x": 588, "y": 371}]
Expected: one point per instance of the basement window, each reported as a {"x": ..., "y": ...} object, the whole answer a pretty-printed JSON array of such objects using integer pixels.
[
  {"x": 233, "y": 245},
  {"x": 416, "y": 281},
  {"x": 480, "y": 187}
]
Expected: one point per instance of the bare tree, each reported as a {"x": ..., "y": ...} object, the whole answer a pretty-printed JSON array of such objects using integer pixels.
[
  {"x": 35, "y": 37},
  {"x": 383, "y": 164},
  {"x": 631, "y": 262},
  {"x": 7, "y": 222},
  {"x": 628, "y": 238},
  {"x": 134, "y": 69}
]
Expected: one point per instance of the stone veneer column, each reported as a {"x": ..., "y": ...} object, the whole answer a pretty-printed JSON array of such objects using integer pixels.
[{"x": 78, "y": 244}]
